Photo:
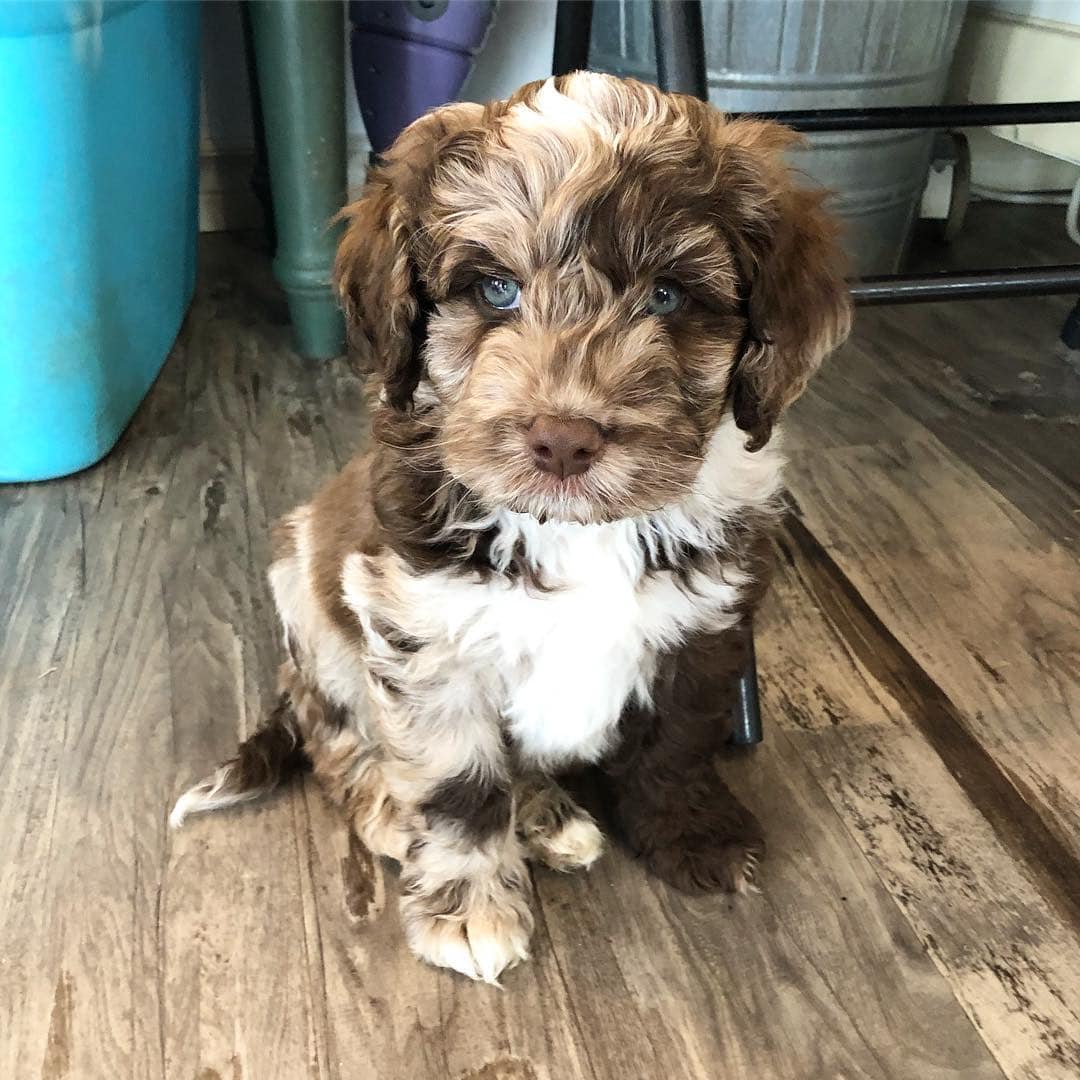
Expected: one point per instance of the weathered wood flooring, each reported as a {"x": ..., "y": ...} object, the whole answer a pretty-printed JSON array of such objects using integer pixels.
[{"x": 920, "y": 779}]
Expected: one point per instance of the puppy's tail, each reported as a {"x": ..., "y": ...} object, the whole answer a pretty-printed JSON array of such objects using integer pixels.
[{"x": 262, "y": 763}]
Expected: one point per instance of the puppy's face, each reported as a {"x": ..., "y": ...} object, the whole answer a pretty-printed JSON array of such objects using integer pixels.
[{"x": 578, "y": 282}]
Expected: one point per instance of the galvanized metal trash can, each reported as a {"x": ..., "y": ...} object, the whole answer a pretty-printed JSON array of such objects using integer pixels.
[{"x": 766, "y": 55}]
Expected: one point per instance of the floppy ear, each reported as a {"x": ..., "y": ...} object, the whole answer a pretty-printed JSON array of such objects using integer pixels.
[
  {"x": 375, "y": 271},
  {"x": 797, "y": 304}
]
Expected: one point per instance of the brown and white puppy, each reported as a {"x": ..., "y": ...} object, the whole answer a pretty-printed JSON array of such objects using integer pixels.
[{"x": 588, "y": 306}]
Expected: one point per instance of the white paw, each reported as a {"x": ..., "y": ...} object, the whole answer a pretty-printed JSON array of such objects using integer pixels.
[
  {"x": 575, "y": 846},
  {"x": 481, "y": 945}
]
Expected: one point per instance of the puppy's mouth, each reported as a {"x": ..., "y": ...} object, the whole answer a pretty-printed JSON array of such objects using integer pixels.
[
  {"x": 549, "y": 497},
  {"x": 564, "y": 505},
  {"x": 561, "y": 487}
]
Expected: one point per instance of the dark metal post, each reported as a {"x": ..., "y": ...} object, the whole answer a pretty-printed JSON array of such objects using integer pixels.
[
  {"x": 1070, "y": 332},
  {"x": 747, "y": 726},
  {"x": 680, "y": 47},
  {"x": 573, "y": 27},
  {"x": 680, "y": 66}
]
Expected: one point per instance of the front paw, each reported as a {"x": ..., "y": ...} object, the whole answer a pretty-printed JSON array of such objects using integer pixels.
[
  {"x": 555, "y": 829},
  {"x": 475, "y": 931},
  {"x": 575, "y": 845}
]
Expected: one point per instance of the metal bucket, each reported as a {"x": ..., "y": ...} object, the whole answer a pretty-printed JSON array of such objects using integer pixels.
[{"x": 765, "y": 55}]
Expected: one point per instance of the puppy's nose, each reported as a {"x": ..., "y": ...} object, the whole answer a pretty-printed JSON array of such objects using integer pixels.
[{"x": 564, "y": 447}]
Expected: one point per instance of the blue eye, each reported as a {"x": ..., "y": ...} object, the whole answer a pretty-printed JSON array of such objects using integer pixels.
[
  {"x": 502, "y": 293},
  {"x": 665, "y": 298}
]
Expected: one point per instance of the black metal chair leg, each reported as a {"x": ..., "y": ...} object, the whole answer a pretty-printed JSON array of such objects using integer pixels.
[
  {"x": 573, "y": 27},
  {"x": 680, "y": 47},
  {"x": 746, "y": 730},
  {"x": 1070, "y": 332},
  {"x": 680, "y": 63},
  {"x": 680, "y": 66}
]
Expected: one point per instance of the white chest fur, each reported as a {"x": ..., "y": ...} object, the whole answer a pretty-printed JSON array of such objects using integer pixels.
[
  {"x": 575, "y": 656},
  {"x": 561, "y": 664}
]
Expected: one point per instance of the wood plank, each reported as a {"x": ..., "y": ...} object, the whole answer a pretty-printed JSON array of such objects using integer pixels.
[
  {"x": 853, "y": 401},
  {"x": 991, "y": 382},
  {"x": 39, "y": 600},
  {"x": 983, "y": 601},
  {"x": 989, "y": 378},
  {"x": 98, "y": 950},
  {"x": 231, "y": 910},
  {"x": 818, "y": 976},
  {"x": 999, "y": 929}
]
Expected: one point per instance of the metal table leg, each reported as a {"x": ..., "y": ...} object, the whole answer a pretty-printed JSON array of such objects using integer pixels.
[
  {"x": 746, "y": 730},
  {"x": 680, "y": 47},
  {"x": 573, "y": 25},
  {"x": 1070, "y": 332},
  {"x": 680, "y": 66}
]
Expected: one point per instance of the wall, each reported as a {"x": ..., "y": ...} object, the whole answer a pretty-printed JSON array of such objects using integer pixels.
[
  {"x": 1021, "y": 50},
  {"x": 1062, "y": 11}
]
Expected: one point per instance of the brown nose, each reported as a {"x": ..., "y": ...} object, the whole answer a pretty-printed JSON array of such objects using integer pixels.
[{"x": 564, "y": 447}]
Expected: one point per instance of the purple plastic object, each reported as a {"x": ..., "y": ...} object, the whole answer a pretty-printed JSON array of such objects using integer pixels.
[{"x": 410, "y": 56}]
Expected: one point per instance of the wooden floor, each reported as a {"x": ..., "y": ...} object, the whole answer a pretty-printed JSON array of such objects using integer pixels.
[{"x": 920, "y": 779}]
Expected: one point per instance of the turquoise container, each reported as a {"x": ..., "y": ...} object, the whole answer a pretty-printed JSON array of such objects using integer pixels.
[{"x": 99, "y": 135}]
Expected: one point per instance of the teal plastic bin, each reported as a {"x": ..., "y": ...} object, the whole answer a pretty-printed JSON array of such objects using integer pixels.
[{"x": 99, "y": 133}]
